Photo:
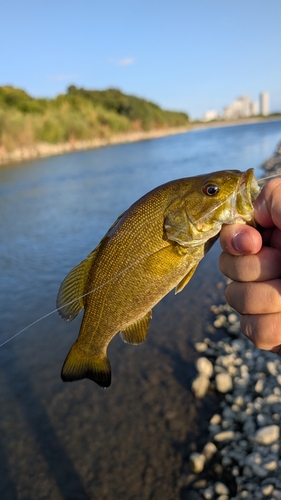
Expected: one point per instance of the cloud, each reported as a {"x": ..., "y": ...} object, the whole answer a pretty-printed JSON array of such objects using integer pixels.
[
  {"x": 127, "y": 61},
  {"x": 62, "y": 77}
]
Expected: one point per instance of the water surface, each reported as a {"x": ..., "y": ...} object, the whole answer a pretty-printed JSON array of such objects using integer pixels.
[{"x": 76, "y": 441}]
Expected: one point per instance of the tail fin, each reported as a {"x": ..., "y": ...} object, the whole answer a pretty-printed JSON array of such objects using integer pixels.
[{"x": 79, "y": 365}]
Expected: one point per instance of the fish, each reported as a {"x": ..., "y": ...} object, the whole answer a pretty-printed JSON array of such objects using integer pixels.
[{"x": 153, "y": 247}]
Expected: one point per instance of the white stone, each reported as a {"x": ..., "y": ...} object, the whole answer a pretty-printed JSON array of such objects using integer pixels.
[
  {"x": 267, "y": 435},
  {"x": 232, "y": 318},
  {"x": 200, "y": 386},
  {"x": 204, "y": 367},
  {"x": 271, "y": 366},
  {"x": 267, "y": 490},
  {"x": 221, "y": 489},
  {"x": 259, "y": 385},
  {"x": 196, "y": 462},
  {"x": 223, "y": 382},
  {"x": 271, "y": 465},
  {"x": 235, "y": 471},
  {"x": 209, "y": 450},
  {"x": 220, "y": 321},
  {"x": 216, "y": 419},
  {"x": 201, "y": 346},
  {"x": 239, "y": 400},
  {"x": 224, "y": 436}
]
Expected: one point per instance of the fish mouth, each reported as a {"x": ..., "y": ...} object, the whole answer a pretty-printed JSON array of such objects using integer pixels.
[{"x": 247, "y": 192}]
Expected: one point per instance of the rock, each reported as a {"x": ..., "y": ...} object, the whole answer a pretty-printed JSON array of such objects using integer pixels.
[
  {"x": 270, "y": 365},
  {"x": 246, "y": 430},
  {"x": 224, "y": 436},
  {"x": 201, "y": 346},
  {"x": 204, "y": 367},
  {"x": 232, "y": 318},
  {"x": 209, "y": 450},
  {"x": 223, "y": 382},
  {"x": 197, "y": 462},
  {"x": 259, "y": 385},
  {"x": 216, "y": 419},
  {"x": 271, "y": 465},
  {"x": 276, "y": 494},
  {"x": 200, "y": 386},
  {"x": 221, "y": 489},
  {"x": 267, "y": 435},
  {"x": 208, "y": 493},
  {"x": 267, "y": 490}
]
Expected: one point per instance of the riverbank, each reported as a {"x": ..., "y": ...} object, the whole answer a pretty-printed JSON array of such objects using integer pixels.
[
  {"x": 241, "y": 458},
  {"x": 43, "y": 149}
]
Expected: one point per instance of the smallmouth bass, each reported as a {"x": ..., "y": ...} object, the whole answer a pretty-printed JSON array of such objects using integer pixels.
[{"x": 153, "y": 247}]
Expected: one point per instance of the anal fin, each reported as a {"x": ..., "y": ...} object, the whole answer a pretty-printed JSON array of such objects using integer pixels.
[
  {"x": 185, "y": 280},
  {"x": 136, "y": 333}
]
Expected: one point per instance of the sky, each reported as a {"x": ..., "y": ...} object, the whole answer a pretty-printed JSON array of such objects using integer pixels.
[{"x": 184, "y": 55}]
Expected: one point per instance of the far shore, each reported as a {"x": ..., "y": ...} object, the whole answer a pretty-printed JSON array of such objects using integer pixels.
[{"x": 40, "y": 150}]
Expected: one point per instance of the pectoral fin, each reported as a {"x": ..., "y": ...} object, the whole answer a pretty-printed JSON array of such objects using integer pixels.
[
  {"x": 70, "y": 298},
  {"x": 136, "y": 333},
  {"x": 185, "y": 280}
]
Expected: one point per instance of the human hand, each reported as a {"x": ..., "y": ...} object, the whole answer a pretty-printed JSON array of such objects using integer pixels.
[{"x": 252, "y": 259}]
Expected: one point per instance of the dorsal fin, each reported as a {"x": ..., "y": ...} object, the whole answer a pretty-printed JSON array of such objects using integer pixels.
[
  {"x": 70, "y": 298},
  {"x": 136, "y": 333}
]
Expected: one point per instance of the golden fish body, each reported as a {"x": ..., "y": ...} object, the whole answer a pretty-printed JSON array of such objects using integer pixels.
[{"x": 153, "y": 247}]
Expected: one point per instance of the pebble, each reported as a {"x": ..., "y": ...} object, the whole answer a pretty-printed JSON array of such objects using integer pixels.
[
  {"x": 267, "y": 490},
  {"x": 197, "y": 462},
  {"x": 224, "y": 436},
  {"x": 221, "y": 489},
  {"x": 200, "y": 386},
  {"x": 244, "y": 435},
  {"x": 204, "y": 367},
  {"x": 209, "y": 450},
  {"x": 267, "y": 435},
  {"x": 223, "y": 382}
]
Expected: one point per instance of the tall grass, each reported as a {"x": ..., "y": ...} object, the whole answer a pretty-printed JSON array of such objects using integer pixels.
[{"x": 77, "y": 115}]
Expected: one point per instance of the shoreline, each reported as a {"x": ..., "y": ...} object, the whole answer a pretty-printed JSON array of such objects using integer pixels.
[{"x": 41, "y": 150}]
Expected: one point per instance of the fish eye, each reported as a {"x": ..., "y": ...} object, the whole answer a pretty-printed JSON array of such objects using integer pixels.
[{"x": 211, "y": 189}]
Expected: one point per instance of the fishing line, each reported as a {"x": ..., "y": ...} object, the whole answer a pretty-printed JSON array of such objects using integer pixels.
[{"x": 123, "y": 270}]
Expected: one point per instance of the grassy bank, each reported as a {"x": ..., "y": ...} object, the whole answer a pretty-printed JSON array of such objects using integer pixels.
[{"x": 75, "y": 117}]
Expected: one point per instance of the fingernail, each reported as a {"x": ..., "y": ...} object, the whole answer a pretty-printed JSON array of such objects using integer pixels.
[{"x": 240, "y": 242}]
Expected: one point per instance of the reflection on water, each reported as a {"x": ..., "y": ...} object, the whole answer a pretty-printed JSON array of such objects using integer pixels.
[{"x": 75, "y": 441}]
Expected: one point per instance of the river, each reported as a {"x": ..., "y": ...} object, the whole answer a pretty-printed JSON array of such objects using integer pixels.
[{"x": 76, "y": 441}]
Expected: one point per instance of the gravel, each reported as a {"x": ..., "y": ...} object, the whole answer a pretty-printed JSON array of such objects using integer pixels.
[{"x": 244, "y": 436}]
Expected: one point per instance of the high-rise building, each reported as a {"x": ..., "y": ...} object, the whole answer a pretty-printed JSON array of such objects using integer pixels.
[
  {"x": 254, "y": 108},
  {"x": 264, "y": 103}
]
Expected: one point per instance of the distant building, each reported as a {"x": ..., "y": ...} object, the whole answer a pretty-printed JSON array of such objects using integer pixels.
[
  {"x": 243, "y": 107},
  {"x": 210, "y": 115},
  {"x": 264, "y": 104},
  {"x": 254, "y": 108}
]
